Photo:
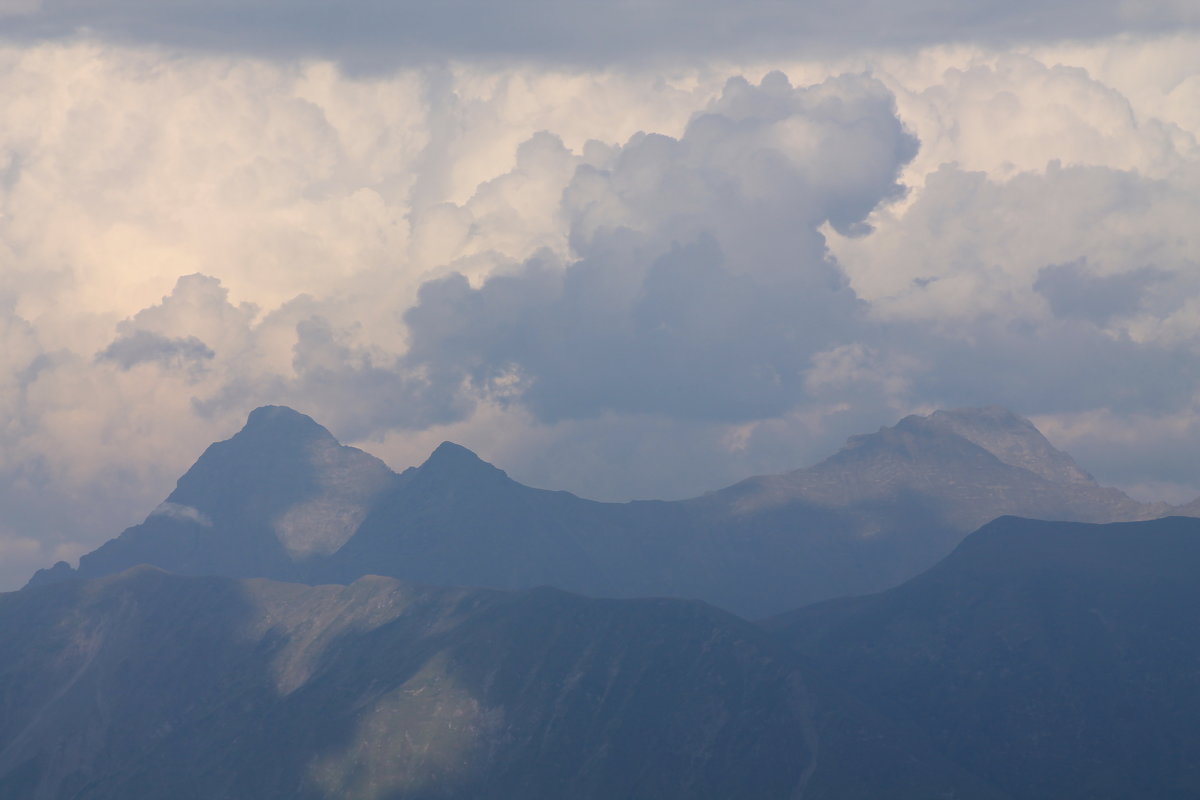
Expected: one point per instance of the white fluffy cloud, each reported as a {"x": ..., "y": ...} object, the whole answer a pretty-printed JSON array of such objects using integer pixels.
[
  {"x": 625, "y": 282},
  {"x": 699, "y": 285}
]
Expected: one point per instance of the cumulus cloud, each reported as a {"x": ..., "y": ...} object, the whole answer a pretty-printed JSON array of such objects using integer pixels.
[
  {"x": 972, "y": 244},
  {"x": 1013, "y": 112},
  {"x": 701, "y": 286}
]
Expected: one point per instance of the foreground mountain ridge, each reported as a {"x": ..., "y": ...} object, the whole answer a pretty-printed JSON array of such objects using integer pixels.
[
  {"x": 1054, "y": 659},
  {"x": 1039, "y": 660},
  {"x": 152, "y": 685},
  {"x": 283, "y": 499}
]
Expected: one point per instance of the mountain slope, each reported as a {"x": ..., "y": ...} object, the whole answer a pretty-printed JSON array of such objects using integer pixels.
[
  {"x": 1058, "y": 660},
  {"x": 456, "y": 519},
  {"x": 283, "y": 500},
  {"x": 972, "y": 465},
  {"x": 276, "y": 496},
  {"x": 151, "y": 685},
  {"x": 891, "y": 504}
]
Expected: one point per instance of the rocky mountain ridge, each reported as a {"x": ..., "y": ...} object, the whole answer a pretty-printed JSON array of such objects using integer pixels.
[
  {"x": 282, "y": 499},
  {"x": 151, "y": 685}
]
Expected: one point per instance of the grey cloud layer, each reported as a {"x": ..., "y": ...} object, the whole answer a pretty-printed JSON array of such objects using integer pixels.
[
  {"x": 378, "y": 33},
  {"x": 1075, "y": 293}
]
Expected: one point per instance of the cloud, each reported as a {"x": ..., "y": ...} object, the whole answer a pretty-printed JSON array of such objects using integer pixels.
[
  {"x": 182, "y": 512},
  {"x": 17, "y": 8},
  {"x": 141, "y": 346},
  {"x": 1075, "y": 293},
  {"x": 374, "y": 34},
  {"x": 1054, "y": 288},
  {"x": 971, "y": 245},
  {"x": 1152, "y": 454},
  {"x": 701, "y": 287},
  {"x": 1012, "y": 113}
]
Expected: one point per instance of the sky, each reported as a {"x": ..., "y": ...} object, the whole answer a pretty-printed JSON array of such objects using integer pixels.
[{"x": 632, "y": 249}]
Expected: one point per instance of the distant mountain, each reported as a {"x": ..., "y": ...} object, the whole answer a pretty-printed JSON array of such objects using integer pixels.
[
  {"x": 891, "y": 504},
  {"x": 967, "y": 466},
  {"x": 1191, "y": 509},
  {"x": 268, "y": 502},
  {"x": 153, "y": 686},
  {"x": 1012, "y": 439},
  {"x": 1057, "y": 660},
  {"x": 282, "y": 499},
  {"x": 459, "y": 520}
]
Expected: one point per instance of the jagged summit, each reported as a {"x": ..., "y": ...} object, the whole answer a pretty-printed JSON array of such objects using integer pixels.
[
  {"x": 451, "y": 453},
  {"x": 276, "y": 450},
  {"x": 1014, "y": 440},
  {"x": 278, "y": 493},
  {"x": 282, "y": 422},
  {"x": 452, "y": 459},
  {"x": 950, "y": 470},
  {"x": 952, "y": 434}
]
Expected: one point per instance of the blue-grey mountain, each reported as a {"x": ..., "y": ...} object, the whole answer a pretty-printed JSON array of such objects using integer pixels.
[
  {"x": 159, "y": 687},
  {"x": 1055, "y": 660},
  {"x": 282, "y": 499}
]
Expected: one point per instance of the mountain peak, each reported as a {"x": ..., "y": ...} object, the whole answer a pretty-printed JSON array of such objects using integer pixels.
[
  {"x": 283, "y": 476},
  {"x": 449, "y": 458},
  {"x": 995, "y": 419},
  {"x": 1013, "y": 439},
  {"x": 282, "y": 422}
]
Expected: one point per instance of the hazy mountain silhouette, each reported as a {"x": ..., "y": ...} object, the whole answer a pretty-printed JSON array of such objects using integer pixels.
[
  {"x": 282, "y": 499},
  {"x": 150, "y": 685},
  {"x": 890, "y": 504},
  {"x": 279, "y": 494},
  {"x": 1057, "y": 660}
]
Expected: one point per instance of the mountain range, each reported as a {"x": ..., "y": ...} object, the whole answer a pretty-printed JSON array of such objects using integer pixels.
[
  {"x": 150, "y": 685},
  {"x": 240, "y": 642},
  {"x": 283, "y": 499},
  {"x": 1039, "y": 660}
]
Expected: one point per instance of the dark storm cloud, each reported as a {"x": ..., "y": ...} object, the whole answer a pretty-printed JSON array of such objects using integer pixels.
[{"x": 378, "y": 33}]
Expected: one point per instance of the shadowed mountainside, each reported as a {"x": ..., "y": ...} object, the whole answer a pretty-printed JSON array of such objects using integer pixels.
[
  {"x": 1057, "y": 660},
  {"x": 282, "y": 499},
  {"x": 265, "y": 503},
  {"x": 152, "y": 685}
]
